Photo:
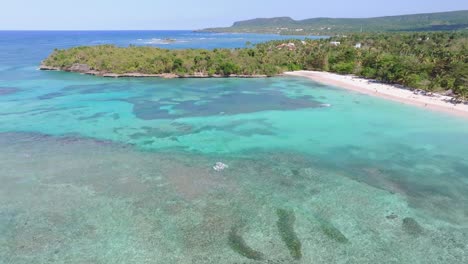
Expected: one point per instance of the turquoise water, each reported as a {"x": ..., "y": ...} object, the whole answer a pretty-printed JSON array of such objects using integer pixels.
[{"x": 97, "y": 170}]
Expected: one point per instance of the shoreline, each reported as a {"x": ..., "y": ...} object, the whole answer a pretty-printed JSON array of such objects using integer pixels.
[
  {"x": 397, "y": 93},
  {"x": 144, "y": 75},
  {"x": 437, "y": 102}
]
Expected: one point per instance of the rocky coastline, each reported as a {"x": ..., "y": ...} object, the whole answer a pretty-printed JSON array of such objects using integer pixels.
[{"x": 85, "y": 69}]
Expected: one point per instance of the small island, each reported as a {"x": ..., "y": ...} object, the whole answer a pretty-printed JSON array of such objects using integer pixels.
[{"x": 430, "y": 62}]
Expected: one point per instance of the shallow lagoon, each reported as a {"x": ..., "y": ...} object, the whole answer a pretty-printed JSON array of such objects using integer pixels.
[{"x": 97, "y": 170}]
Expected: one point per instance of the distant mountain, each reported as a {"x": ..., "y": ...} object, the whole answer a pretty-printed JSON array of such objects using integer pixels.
[{"x": 456, "y": 20}]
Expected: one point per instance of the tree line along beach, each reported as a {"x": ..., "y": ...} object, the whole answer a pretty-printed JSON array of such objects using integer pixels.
[{"x": 408, "y": 66}]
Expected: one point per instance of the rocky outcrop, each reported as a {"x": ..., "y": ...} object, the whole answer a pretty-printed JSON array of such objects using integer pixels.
[
  {"x": 48, "y": 68},
  {"x": 77, "y": 67},
  {"x": 81, "y": 68},
  {"x": 85, "y": 69}
]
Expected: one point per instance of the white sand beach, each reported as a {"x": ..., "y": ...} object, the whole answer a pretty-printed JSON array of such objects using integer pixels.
[{"x": 436, "y": 102}]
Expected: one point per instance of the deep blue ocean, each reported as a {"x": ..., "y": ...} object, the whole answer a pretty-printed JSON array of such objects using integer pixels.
[{"x": 104, "y": 170}]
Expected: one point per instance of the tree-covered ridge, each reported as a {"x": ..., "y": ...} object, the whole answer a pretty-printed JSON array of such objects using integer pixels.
[
  {"x": 456, "y": 20},
  {"x": 428, "y": 61}
]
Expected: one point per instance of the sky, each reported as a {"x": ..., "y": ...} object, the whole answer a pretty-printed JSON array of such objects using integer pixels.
[{"x": 194, "y": 14}]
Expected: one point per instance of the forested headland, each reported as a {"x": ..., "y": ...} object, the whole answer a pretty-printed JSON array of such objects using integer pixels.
[
  {"x": 441, "y": 21},
  {"x": 434, "y": 62}
]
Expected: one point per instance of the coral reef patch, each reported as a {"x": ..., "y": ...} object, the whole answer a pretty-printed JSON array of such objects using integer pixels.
[
  {"x": 238, "y": 244},
  {"x": 286, "y": 219},
  {"x": 412, "y": 227}
]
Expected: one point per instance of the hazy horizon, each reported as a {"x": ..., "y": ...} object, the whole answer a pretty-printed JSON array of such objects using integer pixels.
[{"x": 189, "y": 15}]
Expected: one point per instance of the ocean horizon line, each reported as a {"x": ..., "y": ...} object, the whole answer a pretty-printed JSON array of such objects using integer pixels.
[{"x": 97, "y": 30}]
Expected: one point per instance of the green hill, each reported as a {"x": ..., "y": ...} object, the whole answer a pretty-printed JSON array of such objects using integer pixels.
[{"x": 456, "y": 20}]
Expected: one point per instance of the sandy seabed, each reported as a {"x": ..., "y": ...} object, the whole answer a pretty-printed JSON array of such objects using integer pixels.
[{"x": 75, "y": 200}]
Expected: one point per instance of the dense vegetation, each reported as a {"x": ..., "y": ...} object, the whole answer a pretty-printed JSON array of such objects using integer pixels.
[
  {"x": 428, "y": 61},
  {"x": 457, "y": 20}
]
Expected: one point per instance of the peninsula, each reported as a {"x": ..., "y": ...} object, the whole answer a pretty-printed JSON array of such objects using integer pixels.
[
  {"x": 432, "y": 62},
  {"x": 424, "y": 69}
]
